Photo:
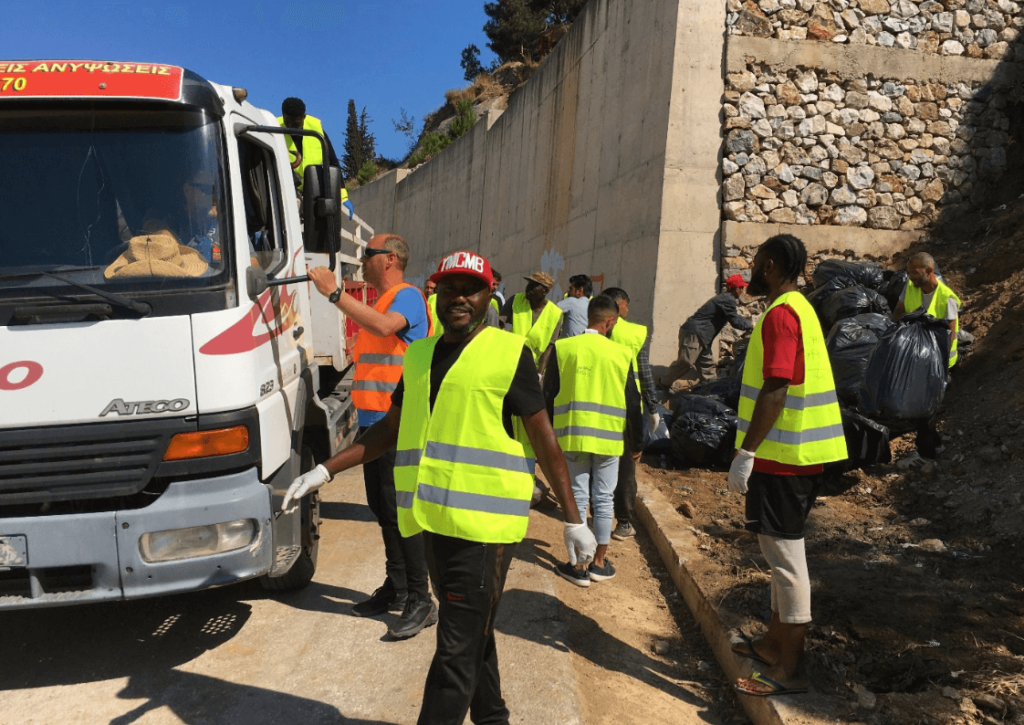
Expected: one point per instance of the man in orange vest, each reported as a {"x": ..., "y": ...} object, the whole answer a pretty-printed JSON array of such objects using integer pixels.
[{"x": 398, "y": 318}]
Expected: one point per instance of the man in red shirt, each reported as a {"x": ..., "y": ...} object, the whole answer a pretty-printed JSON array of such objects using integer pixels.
[{"x": 801, "y": 430}]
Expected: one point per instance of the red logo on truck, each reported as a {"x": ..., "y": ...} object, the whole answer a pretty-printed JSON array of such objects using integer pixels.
[
  {"x": 261, "y": 325},
  {"x": 11, "y": 381}
]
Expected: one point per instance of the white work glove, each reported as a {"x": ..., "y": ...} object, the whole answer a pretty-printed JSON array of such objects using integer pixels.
[
  {"x": 740, "y": 470},
  {"x": 655, "y": 420},
  {"x": 305, "y": 484},
  {"x": 580, "y": 542}
]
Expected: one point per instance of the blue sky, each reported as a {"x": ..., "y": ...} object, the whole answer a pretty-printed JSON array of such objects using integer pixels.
[{"x": 385, "y": 54}]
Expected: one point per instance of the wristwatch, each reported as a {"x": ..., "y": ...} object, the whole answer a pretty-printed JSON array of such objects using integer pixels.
[{"x": 334, "y": 296}]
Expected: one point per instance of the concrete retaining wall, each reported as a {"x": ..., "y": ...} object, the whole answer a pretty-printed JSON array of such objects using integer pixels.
[{"x": 604, "y": 163}]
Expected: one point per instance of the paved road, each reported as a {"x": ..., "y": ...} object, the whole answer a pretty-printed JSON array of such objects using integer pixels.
[{"x": 240, "y": 655}]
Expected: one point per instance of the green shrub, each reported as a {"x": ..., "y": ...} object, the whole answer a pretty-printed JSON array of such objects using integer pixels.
[
  {"x": 431, "y": 145},
  {"x": 366, "y": 173},
  {"x": 465, "y": 117}
]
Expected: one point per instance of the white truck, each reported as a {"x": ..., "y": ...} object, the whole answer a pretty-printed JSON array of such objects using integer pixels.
[{"x": 164, "y": 371}]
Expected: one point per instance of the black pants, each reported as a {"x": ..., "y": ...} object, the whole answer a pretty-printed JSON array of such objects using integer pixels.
[
  {"x": 468, "y": 581},
  {"x": 625, "y": 491},
  {"x": 406, "y": 563}
]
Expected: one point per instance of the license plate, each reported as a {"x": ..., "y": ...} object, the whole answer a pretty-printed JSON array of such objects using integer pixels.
[{"x": 13, "y": 551}]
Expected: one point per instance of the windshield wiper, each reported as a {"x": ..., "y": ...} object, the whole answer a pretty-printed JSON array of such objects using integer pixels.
[{"x": 140, "y": 308}]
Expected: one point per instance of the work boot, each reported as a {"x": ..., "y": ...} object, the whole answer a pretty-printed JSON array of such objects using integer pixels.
[
  {"x": 418, "y": 615},
  {"x": 384, "y": 599}
]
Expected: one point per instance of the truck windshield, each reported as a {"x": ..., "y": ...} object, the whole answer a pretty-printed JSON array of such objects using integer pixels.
[{"x": 119, "y": 197}]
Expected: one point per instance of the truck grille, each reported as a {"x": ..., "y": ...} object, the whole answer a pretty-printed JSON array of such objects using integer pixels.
[{"x": 73, "y": 463}]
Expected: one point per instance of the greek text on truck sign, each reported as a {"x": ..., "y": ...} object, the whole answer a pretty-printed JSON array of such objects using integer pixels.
[{"x": 106, "y": 79}]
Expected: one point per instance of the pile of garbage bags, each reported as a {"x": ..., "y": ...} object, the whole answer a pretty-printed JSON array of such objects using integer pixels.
[{"x": 889, "y": 376}]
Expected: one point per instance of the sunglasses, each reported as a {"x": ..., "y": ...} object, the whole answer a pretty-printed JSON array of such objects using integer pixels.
[{"x": 370, "y": 252}]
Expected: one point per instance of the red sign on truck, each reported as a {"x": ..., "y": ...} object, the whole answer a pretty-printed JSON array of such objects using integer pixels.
[{"x": 104, "y": 79}]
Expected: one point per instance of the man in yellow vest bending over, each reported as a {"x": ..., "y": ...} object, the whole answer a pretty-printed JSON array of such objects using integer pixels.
[
  {"x": 463, "y": 480},
  {"x": 925, "y": 291},
  {"x": 534, "y": 317},
  {"x": 306, "y": 150},
  {"x": 398, "y": 318},
  {"x": 789, "y": 427},
  {"x": 594, "y": 404}
]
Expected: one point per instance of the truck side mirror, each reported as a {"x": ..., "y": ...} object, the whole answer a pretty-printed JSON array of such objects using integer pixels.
[
  {"x": 321, "y": 210},
  {"x": 256, "y": 282}
]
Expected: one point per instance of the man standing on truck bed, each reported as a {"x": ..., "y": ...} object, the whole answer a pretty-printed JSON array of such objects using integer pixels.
[
  {"x": 398, "y": 318},
  {"x": 306, "y": 150},
  {"x": 464, "y": 481}
]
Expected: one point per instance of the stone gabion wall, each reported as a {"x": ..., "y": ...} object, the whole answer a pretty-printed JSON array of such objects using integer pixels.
[
  {"x": 807, "y": 147},
  {"x": 975, "y": 28}
]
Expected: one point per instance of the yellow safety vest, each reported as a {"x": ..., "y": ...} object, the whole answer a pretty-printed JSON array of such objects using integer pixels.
[
  {"x": 590, "y": 408},
  {"x": 538, "y": 336},
  {"x": 494, "y": 304},
  {"x": 809, "y": 430},
  {"x": 432, "y": 307},
  {"x": 312, "y": 151},
  {"x": 914, "y": 296},
  {"x": 457, "y": 471},
  {"x": 632, "y": 336}
]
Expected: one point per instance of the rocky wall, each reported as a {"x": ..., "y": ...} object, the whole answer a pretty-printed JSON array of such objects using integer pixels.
[
  {"x": 973, "y": 28},
  {"x": 809, "y": 147}
]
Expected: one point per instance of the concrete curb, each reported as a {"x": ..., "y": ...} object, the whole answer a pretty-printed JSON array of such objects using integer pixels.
[{"x": 677, "y": 546}]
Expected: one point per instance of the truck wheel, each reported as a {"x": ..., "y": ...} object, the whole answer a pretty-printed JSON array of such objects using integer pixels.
[{"x": 302, "y": 571}]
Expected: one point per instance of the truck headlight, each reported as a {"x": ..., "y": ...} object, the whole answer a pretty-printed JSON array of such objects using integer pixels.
[{"x": 194, "y": 541}]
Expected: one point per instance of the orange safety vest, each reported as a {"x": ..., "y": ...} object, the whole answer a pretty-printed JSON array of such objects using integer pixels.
[{"x": 379, "y": 359}]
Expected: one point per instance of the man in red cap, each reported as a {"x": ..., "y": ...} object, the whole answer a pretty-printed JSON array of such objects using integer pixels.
[
  {"x": 698, "y": 332},
  {"x": 464, "y": 481}
]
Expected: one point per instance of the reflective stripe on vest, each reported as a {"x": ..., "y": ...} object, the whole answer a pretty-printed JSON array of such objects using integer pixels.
[
  {"x": 590, "y": 408},
  {"x": 913, "y": 298},
  {"x": 379, "y": 360},
  {"x": 632, "y": 336},
  {"x": 538, "y": 335},
  {"x": 312, "y": 151},
  {"x": 457, "y": 471},
  {"x": 809, "y": 430}
]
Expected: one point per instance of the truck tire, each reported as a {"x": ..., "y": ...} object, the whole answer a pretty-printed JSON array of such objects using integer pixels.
[{"x": 302, "y": 571}]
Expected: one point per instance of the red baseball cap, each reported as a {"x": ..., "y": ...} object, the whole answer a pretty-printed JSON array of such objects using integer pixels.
[
  {"x": 463, "y": 262},
  {"x": 735, "y": 281}
]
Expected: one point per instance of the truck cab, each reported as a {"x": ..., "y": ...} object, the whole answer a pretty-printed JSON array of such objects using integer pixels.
[{"x": 160, "y": 382}]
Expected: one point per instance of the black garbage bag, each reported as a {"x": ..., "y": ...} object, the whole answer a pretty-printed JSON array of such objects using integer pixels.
[
  {"x": 850, "y": 344},
  {"x": 850, "y": 302},
  {"x": 703, "y": 431},
  {"x": 906, "y": 376},
  {"x": 726, "y": 390},
  {"x": 867, "y": 442},
  {"x": 739, "y": 352},
  {"x": 893, "y": 288},
  {"x": 821, "y": 293},
  {"x": 868, "y": 274}
]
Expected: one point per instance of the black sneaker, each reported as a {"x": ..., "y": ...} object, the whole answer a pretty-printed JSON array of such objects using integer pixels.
[
  {"x": 579, "y": 577},
  {"x": 601, "y": 573},
  {"x": 417, "y": 616},
  {"x": 384, "y": 599},
  {"x": 624, "y": 531}
]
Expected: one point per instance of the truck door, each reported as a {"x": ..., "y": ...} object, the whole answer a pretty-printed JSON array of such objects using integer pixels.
[{"x": 275, "y": 244}]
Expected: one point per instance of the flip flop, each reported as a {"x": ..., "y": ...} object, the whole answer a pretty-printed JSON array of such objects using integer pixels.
[
  {"x": 746, "y": 649},
  {"x": 777, "y": 687}
]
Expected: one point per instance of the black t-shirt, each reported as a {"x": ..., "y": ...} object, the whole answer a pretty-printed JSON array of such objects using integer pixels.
[{"x": 524, "y": 396}]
